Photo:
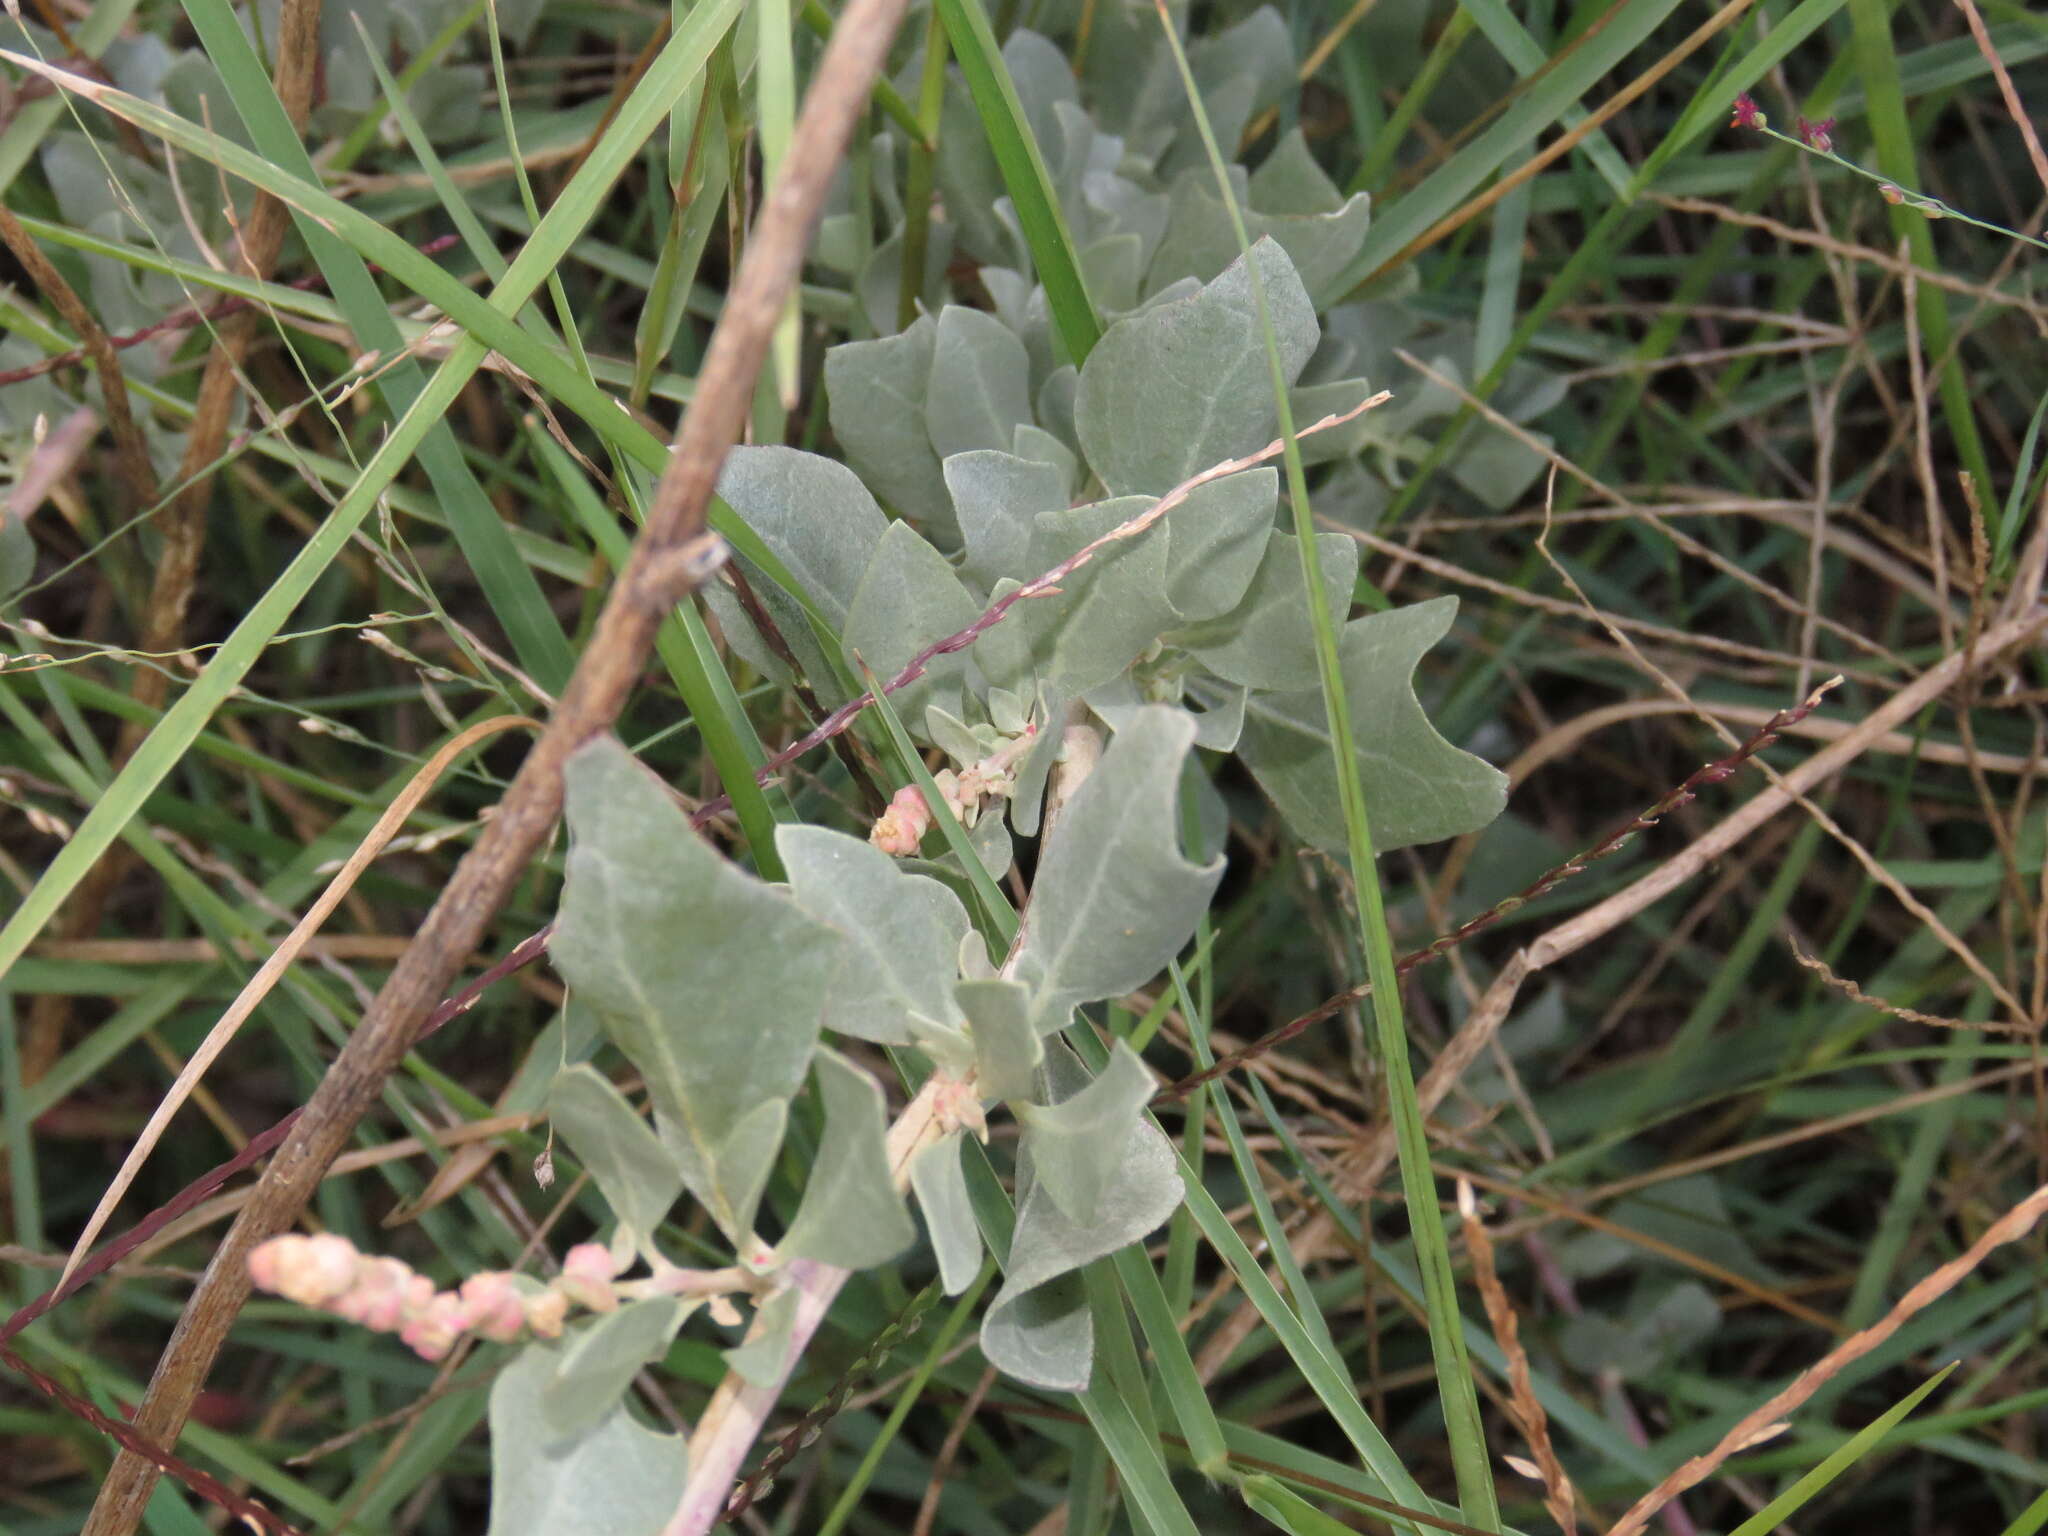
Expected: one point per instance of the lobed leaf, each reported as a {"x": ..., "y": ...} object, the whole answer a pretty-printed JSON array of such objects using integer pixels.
[
  {"x": 851, "y": 1214},
  {"x": 617, "y": 1479},
  {"x": 714, "y": 984},
  {"x": 1115, "y": 898},
  {"x": 1418, "y": 787}
]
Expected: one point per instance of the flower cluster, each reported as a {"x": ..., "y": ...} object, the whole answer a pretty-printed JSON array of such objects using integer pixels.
[
  {"x": 327, "y": 1273},
  {"x": 1818, "y": 136},
  {"x": 901, "y": 828}
]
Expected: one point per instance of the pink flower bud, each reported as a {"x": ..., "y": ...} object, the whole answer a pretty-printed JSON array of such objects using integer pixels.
[
  {"x": 432, "y": 1333},
  {"x": 492, "y": 1306},
  {"x": 586, "y": 1277},
  {"x": 900, "y": 828},
  {"x": 546, "y": 1313},
  {"x": 312, "y": 1271},
  {"x": 386, "y": 1293}
]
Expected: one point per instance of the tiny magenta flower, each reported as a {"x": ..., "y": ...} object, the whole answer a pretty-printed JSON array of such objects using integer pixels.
[
  {"x": 1820, "y": 135},
  {"x": 1747, "y": 113}
]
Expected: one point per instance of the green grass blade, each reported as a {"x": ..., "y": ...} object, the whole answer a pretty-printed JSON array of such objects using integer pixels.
[
  {"x": 1024, "y": 174},
  {"x": 1325, "y": 1377},
  {"x": 508, "y": 583},
  {"x": 1774, "y": 1514},
  {"x": 775, "y": 121},
  {"x": 1459, "y": 1397},
  {"x": 1185, "y": 1394},
  {"x": 1288, "y": 1509},
  {"x": 1877, "y": 65},
  {"x": 693, "y": 666},
  {"x": 1548, "y": 99},
  {"x": 1154, "y": 1503},
  {"x": 1511, "y": 40}
]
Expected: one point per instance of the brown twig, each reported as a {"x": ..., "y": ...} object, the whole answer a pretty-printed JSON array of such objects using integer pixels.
[
  {"x": 2010, "y": 1227},
  {"x": 671, "y": 556}
]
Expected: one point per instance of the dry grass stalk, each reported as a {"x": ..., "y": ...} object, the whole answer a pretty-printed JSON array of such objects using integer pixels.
[
  {"x": 272, "y": 970},
  {"x": 2010, "y": 1227},
  {"x": 1523, "y": 1405},
  {"x": 1856, "y": 994}
]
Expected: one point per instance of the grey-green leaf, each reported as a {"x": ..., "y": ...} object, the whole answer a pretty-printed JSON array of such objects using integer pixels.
[
  {"x": 1215, "y": 540},
  {"x": 851, "y": 1214},
  {"x": 903, "y": 930},
  {"x": 634, "y": 1171},
  {"x": 941, "y": 1186},
  {"x": 980, "y": 386},
  {"x": 812, "y": 512},
  {"x": 1007, "y": 1050},
  {"x": 996, "y": 498},
  {"x": 761, "y": 1359},
  {"x": 1181, "y": 386},
  {"x": 1076, "y": 1145},
  {"x": 1268, "y": 639},
  {"x": 713, "y": 983},
  {"x": 598, "y": 1364},
  {"x": 1418, "y": 787},
  {"x": 1115, "y": 898},
  {"x": 877, "y": 394},
  {"x": 1037, "y": 1328},
  {"x": 1098, "y": 621},
  {"x": 909, "y": 598},
  {"x": 617, "y": 1480}
]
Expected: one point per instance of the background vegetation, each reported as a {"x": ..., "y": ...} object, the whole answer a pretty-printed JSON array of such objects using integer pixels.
[{"x": 1689, "y": 417}]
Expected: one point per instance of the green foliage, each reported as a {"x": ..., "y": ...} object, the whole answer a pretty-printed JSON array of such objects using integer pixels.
[
  {"x": 724, "y": 1042},
  {"x": 613, "y": 1478},
  {"x": 1024, "y": 319}
]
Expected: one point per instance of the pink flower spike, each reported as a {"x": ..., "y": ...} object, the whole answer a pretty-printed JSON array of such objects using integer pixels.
[
  {"x": 312, "y": 1271},
  {"x": 1819, "y": 136},
  {"x": 1747, "y": 113}
]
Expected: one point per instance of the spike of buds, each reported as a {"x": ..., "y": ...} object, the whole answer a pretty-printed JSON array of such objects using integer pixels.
[{"x": 326, "y": 1272}]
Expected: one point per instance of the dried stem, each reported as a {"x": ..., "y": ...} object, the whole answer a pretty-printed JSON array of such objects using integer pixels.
[{"x": 1523, "y": 1405}]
